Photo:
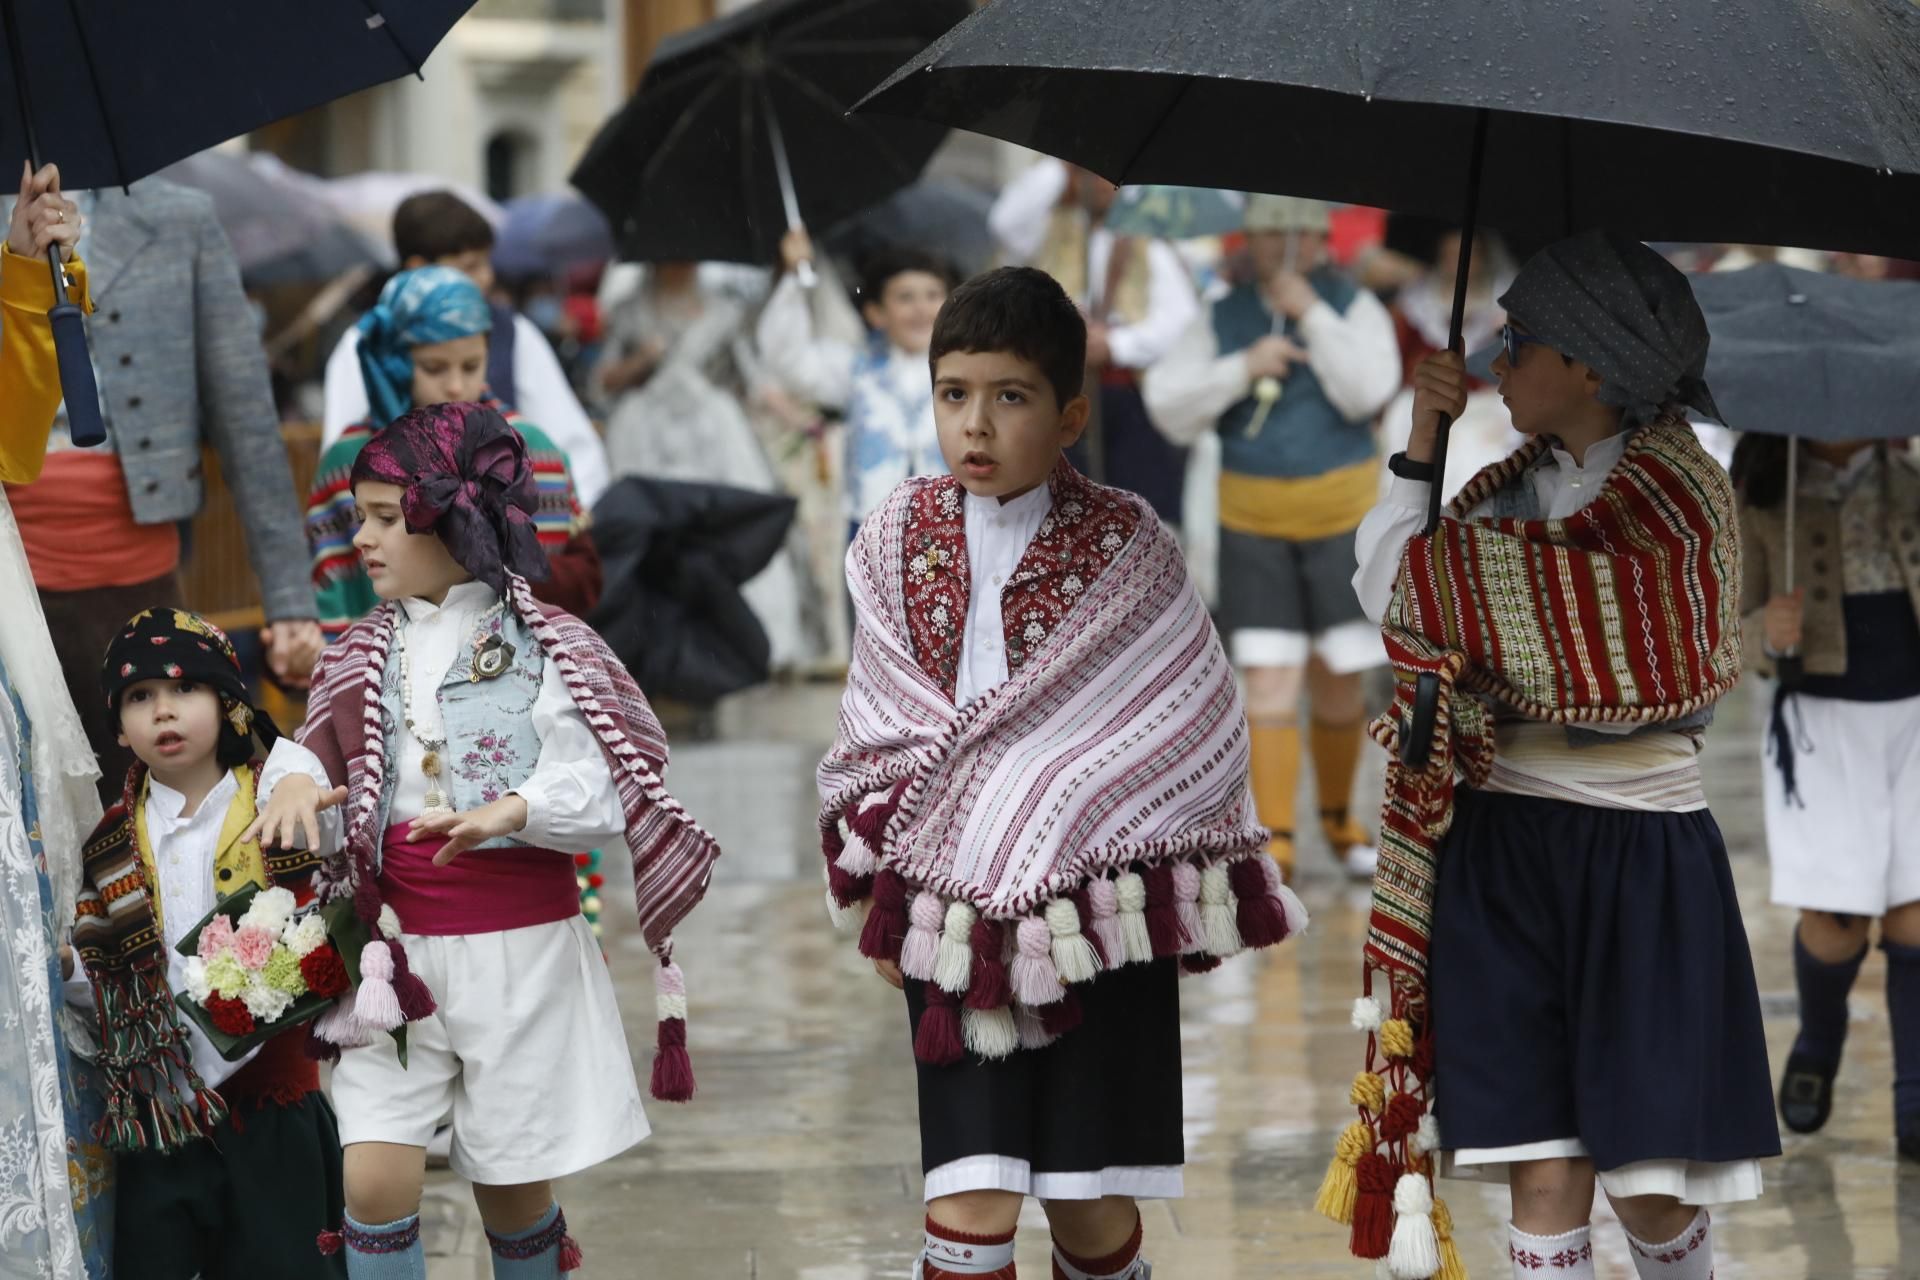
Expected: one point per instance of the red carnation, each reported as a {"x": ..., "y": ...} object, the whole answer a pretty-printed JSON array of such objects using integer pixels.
[
  {"x": 230, "y": 1015},
  {"x": 324, "y": 971}
]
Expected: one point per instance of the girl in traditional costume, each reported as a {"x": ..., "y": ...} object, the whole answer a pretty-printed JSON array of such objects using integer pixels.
[
  {"x": 1568, "y": 990},
  {"x": 483, "y": 741}
]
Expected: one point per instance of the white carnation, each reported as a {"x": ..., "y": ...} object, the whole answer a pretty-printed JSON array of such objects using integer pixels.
[
  {"x": 305, "y": 935},
  {"x": 270, "y": 910},
  {"x": 265, "y": 1003},
  {"x": 198, "y": 987}
]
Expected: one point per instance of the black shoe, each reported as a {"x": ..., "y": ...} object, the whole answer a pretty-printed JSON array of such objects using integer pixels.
[{"x": 1806, "y": 1096}]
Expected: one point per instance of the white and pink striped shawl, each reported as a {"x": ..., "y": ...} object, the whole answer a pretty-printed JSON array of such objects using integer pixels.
[
  {"x": 673, "y": 856},
  {"x": 1100, "y": 793}
]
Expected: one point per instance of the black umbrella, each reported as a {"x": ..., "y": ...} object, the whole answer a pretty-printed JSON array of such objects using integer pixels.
[
  {"x": 113, "y": 92},
  {"x": 940, "y": 215},
  {"x": 1771, "y": 121},
  {"x": 739, "y": 129},
  {"x": 675, "y": 555}
]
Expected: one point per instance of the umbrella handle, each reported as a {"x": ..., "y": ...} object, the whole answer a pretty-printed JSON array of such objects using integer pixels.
[
  {"x": 85, "y": 426},
  {"x": 806, "y": 275},
  {"x": 1416, "y": 740}
]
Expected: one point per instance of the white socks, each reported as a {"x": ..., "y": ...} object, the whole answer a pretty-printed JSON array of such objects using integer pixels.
[
  {"x": 1688, "y": 1256},
  {"x": 1562, "y": 1257}
]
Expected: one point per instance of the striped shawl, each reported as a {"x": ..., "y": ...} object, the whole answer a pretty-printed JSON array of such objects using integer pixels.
[
  {"x": 1626, "y": 612},
  {"x": 672, "y": 855},
  {"x": 1091, "y": 811}
]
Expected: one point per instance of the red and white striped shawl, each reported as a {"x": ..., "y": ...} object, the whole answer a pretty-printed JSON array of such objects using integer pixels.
[{"x": 673, "y": 856}]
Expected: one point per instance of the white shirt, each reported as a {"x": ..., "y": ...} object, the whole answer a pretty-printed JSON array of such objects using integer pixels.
[
  {"x": 998, "y": 534},
  {"x": 1020, "y": 219},
  {"x": 540, "y": 387}
]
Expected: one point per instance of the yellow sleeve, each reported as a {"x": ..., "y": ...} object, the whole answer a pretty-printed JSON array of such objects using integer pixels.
[{"x": 29, "y": 370}]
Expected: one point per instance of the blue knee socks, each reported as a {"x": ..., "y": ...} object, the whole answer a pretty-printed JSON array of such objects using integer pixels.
[
  {"x": 390, "y": 1251},
  {"x": 1903, "y": 1011},
  {"x": 1823, "y": 1003},
  {"x": 543, "y": 1251}
]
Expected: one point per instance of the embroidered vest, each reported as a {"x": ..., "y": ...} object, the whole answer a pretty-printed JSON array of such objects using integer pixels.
[
  {"x": 1303, "y": 434},
  {"x": 492, "y": 745}
]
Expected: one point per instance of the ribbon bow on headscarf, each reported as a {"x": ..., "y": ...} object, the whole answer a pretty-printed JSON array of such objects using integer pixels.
[
  {"x": 416, "y": 309},
  {"x": 1624, "y": 311},
  {"x": 465, "y": 476}
]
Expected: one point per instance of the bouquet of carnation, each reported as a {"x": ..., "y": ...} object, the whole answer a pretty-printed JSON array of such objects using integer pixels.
[{"x": 258, "y": 965}]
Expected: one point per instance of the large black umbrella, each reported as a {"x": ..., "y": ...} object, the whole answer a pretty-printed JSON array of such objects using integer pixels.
[
  {"x": 112, "y": 92},
  {"x": 739, "y": 129},
  {"x": 675, "y": 555}
]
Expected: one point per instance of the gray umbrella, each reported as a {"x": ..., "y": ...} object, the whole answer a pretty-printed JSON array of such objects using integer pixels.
[{"x": 281, "y": 231}]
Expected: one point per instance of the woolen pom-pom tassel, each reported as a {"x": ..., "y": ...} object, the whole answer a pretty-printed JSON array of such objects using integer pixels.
[
  {"x": 1035, "y": 981},
  {"x": 416, "y": 1001},
  {"x": 938, "y": 1041},
  {"x": 1373, "y": 1206},
  {"x": 1367, "y": 1014},
  {"x": 1074, "y": 958},
  {"x": 1083, "y": 907},
  {"x": 1369, "y": 1091},
  {"x": 1338, "y": 1188},
  {"x": 1186, "y": 907},
  {"x": 989, "y": 1033},
  {"x": 1425, "y": 1139},
  {"x": 1163, "y": 917},
  {"x": 1062, "y": 1015},
  {"x": 1415, "y": 1251},
  {"x": 846, "y": 888},
  {"x": 1031, "y": 1028},
  {"x": 1260, "y": 918},
  {"x": 1451, "y": 1267},
  {"x": 571, "y": 1259},
  {"x": 1104, "y": 898},
  {"x": 886, "y": 927},
  {"x": 991, "y": 987},
  {"x": 1396, "y": 1038},
  {"x": 921, "y": 951},
  {"x": 953, "y": 957},
  {"x": 672, "y": 1069},
  {"x": 1132, "y": 891},
  {"x": 1401, "y": 1118},
  {"x": 1217, "y": 912},
  {"x": 1199, "y": 963},
  {"x": 856, "y": 858},
  {"x": 374, "y": 1001}
]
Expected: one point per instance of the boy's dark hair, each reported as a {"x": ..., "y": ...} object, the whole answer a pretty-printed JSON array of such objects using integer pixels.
[
  {"x": 1759, "y": 469},
  {"x": 1022, "y": 311},
  {"x": 438, "y": 224},
  {"x": 881, "y": 266}
]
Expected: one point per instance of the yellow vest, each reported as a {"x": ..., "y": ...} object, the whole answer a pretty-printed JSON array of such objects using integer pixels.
[{"x": 236, "y": 863}]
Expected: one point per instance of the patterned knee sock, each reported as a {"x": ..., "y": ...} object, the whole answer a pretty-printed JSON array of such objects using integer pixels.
[
  {"x": 1562, "y": 1257},
  {"x": 1124, "y": 1263},
  {"x": 1823, "y": 1003},
  {"x": 954, "y": 1255},
  {"x": 389, "y": 1251},
  {"x": 541, "y": 1252},
  {"x": 1903, "y": 1011},
  {"x": 1688, "y": 1256}
]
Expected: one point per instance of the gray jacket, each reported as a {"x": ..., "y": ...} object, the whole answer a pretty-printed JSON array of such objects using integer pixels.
[{"x": 180, "y": 363}]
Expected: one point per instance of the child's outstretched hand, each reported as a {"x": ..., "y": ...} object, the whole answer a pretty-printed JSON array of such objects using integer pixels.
[
  {"x": 463, "y": 831},
  {"x": 293, "y": 810}
]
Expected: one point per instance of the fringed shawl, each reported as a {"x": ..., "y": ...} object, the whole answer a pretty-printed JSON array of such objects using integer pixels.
[
  {"x": 1626, "y": 612},
  {"x": 1091, "y": 811},
  {"x": 672, "y": 855}
]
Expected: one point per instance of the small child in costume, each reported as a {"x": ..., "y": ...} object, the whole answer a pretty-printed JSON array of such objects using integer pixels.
[
  {"x": 229, "y": 1184},
  {"x": 1039, "y": 797},
  {"x": 1589, "y": 1011},
  {"x": 1843, "y": 814},
  {"x": 483, "y": 740}
]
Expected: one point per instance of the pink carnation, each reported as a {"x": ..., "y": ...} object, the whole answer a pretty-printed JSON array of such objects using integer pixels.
[
  {"x": 252, "y": 946},
  {"x": 216, "y": 937}
]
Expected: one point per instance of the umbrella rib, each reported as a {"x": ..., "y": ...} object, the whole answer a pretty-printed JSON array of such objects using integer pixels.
[
  {"x": 99, "y": 96},
  {"x": 825, "y": 99},
  {"x": 890, "y": 45},
  {"x": 688, "y": 115},
  {"x": 1186, "y": 85}
]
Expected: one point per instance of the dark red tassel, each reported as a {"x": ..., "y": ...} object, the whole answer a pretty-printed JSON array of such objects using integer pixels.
[
  {"x": 1422, "y": 1061},
  {"x": 416, "y": 1002},
  {"x": 318, "y": 1049},
  {"x": 846, "y": 888},
  {"x": 1259, "y": 915},
  {"x": 937, "y": 1042},
  {"x": 990, "y": 988},
  {"x": 1062, "y": 1015},
  {"x": 672, "y": 1068},
  {"x": 1083, "y": 903},
  {"x": 366, "y": 904},
  {"x": 886, "y": 927},
  {"x": 1163, "y": 916},
  {"x": 1199, "y": 962},
  {"x": 1402, "y": 1117},
  {"x": 1373, "y": 1208},
  {"x": 571, "y": 1258},
  {"x": 328, "y": 1243}
]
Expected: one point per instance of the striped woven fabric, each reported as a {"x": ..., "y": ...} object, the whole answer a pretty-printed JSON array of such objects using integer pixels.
[
  {"x": 342, "y": 591},
  {"x": 672, "y": 855},
  {"x": 1091, "y": 811}
]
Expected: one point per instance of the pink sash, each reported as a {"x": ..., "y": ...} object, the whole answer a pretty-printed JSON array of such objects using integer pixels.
[{"x": 481, "y": 891}]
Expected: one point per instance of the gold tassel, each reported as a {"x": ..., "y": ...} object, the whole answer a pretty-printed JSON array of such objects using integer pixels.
[
  {"x": 1339, "y": 1190},
  {"x": 1451, "y": 1267},
  {"x": 1368, "y": 1091},
  {"x": 1396, "y": 1038}
]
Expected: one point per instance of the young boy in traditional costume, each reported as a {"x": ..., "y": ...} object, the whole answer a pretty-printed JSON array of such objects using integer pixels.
[
  {"x": 224, "y": 1169},
  {"x": 483, "y": 740},
  {"x": 426, "y": 342},
  {"x": 1572, "y": 997},
  {"x": 1039, "y": 797},
  {"x": 1843, "y": 813}
]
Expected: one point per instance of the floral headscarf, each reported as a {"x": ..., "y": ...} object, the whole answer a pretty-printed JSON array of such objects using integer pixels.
[
  {"x": 466, "y": 478},
  {"x": 416, "y": 309}
]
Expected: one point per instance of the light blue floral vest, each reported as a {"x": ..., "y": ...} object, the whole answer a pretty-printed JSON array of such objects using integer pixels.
[{"x": 491, "y": 742}]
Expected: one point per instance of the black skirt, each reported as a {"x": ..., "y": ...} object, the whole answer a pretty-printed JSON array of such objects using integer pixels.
[
  {"x": 1104, "y": 1096},
  {"x": 1590, "y": 978}
]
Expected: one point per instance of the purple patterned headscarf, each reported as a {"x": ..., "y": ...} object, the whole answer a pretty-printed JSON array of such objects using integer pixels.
[{"x": 465, "y": 477}]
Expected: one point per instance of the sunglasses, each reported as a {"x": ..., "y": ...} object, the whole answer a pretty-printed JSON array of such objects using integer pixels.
[{"x": 1512, "y": 340}]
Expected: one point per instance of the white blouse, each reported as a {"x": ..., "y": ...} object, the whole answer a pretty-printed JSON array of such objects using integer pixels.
[{"x": 998, "y": 534}]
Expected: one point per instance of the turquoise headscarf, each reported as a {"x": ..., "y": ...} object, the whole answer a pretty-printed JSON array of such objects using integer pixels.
[{"x": 416, "y": 309}]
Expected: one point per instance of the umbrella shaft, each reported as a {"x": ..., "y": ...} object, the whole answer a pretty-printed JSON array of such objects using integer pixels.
[
  {"x": 1793, "y": 490},
  {"x": 18, "y": 57},
  {"x": 1469, "y": 227}
]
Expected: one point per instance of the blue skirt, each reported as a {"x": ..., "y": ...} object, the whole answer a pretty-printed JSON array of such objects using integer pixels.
[{"x": 1590, "y": 979}]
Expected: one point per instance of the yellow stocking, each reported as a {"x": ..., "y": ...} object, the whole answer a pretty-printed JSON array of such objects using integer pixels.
[
  {"x": 1276, "y": 785},
  {"x": 1336, "y": 758}
]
